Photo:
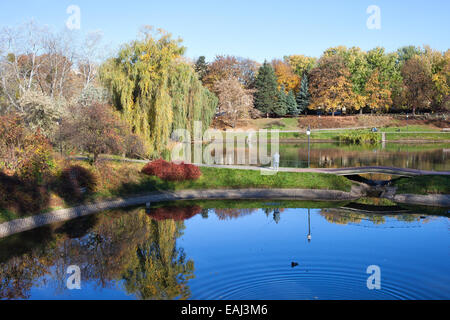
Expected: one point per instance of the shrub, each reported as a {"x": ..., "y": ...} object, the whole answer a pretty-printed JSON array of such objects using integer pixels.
[
  {"x": 169, "y": 171},
  {"x": 76, "y": 182},
  {"x": 24, "y": 153},
  {"x": 360, "y": 137}
]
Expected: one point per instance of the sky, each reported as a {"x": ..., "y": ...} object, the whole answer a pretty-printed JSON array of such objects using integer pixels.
[{"x": 258, "y": 30}]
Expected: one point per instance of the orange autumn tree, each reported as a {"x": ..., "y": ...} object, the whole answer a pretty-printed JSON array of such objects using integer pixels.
[
  {"x": 330, "y": 85},
  {"x": 378, "y": 95},
  {"x": 286, "y": 77}
]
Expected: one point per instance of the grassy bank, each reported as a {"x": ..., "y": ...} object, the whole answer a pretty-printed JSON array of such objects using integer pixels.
[
  {"x": 413, "y": 133},
  {"x": 115, "y": 179},
  {"x": 423, "y": 185},
  {"x": 213, "y": 178}
]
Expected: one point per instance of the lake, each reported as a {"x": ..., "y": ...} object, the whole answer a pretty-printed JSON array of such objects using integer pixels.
[
  {"x": 235, "y": 250},
  {"x": 426, "y": 156}
]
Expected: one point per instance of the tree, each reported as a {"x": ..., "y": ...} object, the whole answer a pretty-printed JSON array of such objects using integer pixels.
[
  {"x": 378, "y": 96},
  {"x": 440, "y": 71},
  {"x": 95, "y": 129},
  {"x": 356, "y": 62},
  {"x": 389, "y": 72},
  {"x": 418, "y": 82},
  {"x": 234, "y": 100},
  {"x": 330, "y": 85},
  {"x": 34, "y": 58},
  {"x": 300, "y": 64},
  {"x": 201, "y": 67},
  {"x": 40, "y": 112},
  {"x": 93, "y": 94},
  {"x": 285, "y": 76},
  {"x": 292, "y": 107},
  {"x": 56, "y": 65},
  {"x": 155, "y": 91},
  {"x": 303, "y": 97},
  {"x": 407, "y": 52},
  {"x": 225, "y": 67},
  {"x": 88, "y": 58},
  {"x": 19, "y": 63},
  {"x": 281, "y": 106},
  {"x": 266, "y": 89}
]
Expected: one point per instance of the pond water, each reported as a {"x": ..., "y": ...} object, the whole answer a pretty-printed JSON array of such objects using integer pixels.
[
  {"x": 427, "y": 156},
  {"x": 228, "y": 250}
]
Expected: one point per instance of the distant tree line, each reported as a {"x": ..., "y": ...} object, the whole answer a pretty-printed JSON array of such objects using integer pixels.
[{"x": 343, "y": 79}]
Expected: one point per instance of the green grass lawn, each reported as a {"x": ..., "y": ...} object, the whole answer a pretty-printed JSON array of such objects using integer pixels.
[
  {"x": 414, "y": 128},
  {"x": 394, "y": 133},
  {"x": 214, "y": 178},
  {"x": 419, "y": 136},
  {"x": 423, "y": 185}
]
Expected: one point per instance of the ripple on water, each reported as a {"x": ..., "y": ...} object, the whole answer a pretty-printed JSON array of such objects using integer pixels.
[{"x": 314, "y": 279}]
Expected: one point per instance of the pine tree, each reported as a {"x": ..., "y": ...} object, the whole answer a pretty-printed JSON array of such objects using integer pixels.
[
  {"x": 266, "y": 89},
  {"x": 292, "y": 107},
  {"x": 201, "y": 67},
  {"x": 281, "y": 106},
  {"x": 303, "y": 97}
]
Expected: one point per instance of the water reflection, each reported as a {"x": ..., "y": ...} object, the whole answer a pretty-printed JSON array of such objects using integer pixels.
[
  {"x": 142, "y": 256},
  {"x": 332, "y": 155},
  {"x": 138, "y": 251}
]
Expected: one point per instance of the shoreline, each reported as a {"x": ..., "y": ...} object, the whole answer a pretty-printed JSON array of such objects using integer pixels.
[{"x": 29, "y": 223}]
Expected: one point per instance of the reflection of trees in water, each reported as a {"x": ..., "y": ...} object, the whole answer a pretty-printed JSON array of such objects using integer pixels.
[
  {"x": 229, "y": 214},
  {"x": 175, "y": 213},
  {"x": 19, "y": 275},
  {"x": 329, "y": 157},
  {"x": 130, "y": 247},
  {"x": 343, "y": 217},
  {"x": 159, "y": 270},
  {"x": 335, "y": 158}
]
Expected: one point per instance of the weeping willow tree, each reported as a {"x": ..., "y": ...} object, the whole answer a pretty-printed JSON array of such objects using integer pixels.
[
  {"x": 190, "y": 100},
  {"x": 155, "y": 90}
]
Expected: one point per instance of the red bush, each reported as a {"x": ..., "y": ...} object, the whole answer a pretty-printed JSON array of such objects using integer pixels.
[{"x": 169, "y": 171}]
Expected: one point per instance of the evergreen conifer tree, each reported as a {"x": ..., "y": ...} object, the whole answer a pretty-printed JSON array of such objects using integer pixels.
[
  {"x": 281, "y": 106},
  {"x": 292, "y": 107},
  {"x": 201, "y": 67},
  {"x": 303, "y": 97},
  {"x": 266, "y": 93}
]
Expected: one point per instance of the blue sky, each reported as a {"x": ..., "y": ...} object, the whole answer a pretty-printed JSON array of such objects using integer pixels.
[{"x": 253, "y": 29}]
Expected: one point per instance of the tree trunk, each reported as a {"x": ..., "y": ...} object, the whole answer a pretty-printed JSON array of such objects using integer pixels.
[{"x": 95, "y": 159}]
